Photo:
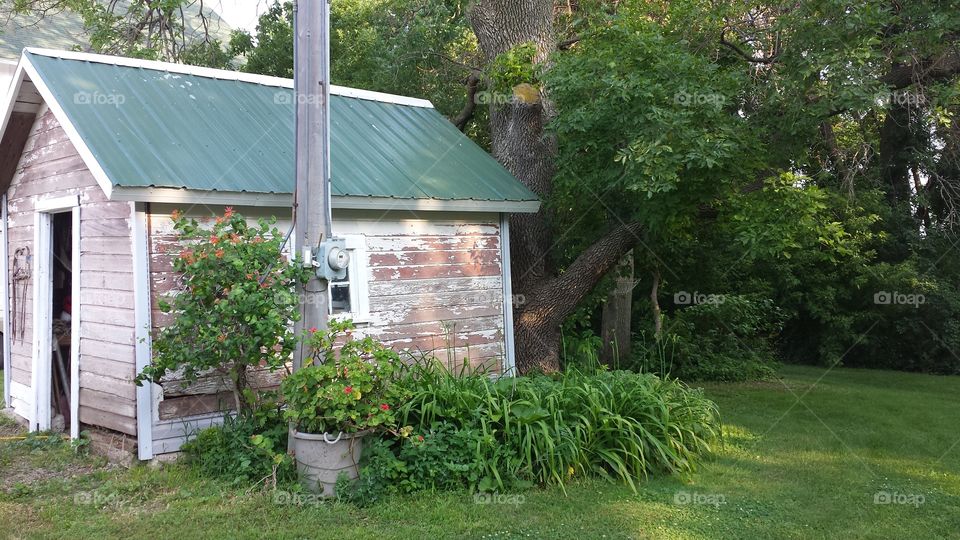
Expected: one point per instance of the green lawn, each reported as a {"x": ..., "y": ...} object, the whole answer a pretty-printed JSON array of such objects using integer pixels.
[{"x": 788, "y": 469}]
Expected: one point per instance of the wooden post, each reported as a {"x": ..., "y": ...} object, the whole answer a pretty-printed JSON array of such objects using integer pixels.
[
  {"x": 615, "y": 324},
  {"x": 311, "y": 207}
]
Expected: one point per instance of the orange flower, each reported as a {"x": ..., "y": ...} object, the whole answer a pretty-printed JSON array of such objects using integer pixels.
[
  {"x": 219, "y": 253},
  {"x": 221, "y": 338},
  {"x": 219, "y": 220},
  {"x": 214, "y": 239},
  {"x": 234, "y": 238},
  {"x": 228, "y": 211},
  {"x": 175, "y": 215}
]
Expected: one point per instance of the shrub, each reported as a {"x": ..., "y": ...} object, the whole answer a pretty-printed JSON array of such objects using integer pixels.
[
  {"x": 445, "y": 457},
  {"x": 235, "y": 308},
  {"x": 542, "y": 429},
  {"x": 341, "y": 389},
  {"x": 245, "y": 449},
  {"x": 730, "y": 339}
]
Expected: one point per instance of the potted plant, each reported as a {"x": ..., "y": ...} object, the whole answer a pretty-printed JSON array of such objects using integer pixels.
[{"x": 336, "y": 398}]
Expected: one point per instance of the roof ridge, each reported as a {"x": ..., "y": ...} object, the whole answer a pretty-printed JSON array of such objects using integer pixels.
[{"x": 224, "y": 74}]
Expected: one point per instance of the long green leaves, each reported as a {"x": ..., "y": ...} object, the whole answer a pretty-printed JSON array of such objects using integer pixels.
[{"x": 619, "y": 425}]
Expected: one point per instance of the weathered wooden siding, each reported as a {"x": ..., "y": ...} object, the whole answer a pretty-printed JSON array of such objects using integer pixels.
[
  {"x": 50, "y": 167},
  {"x": 434, "y": 288}
]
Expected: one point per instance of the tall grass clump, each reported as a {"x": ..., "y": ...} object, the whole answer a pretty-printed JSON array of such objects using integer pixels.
[{"x": 546, "y": 429}]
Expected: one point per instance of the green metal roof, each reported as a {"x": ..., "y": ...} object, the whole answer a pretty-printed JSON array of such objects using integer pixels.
[{"x": 155, "y": 125}]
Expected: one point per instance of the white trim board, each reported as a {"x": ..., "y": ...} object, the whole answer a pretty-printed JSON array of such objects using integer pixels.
[
  {"x": 212, "y": 73},
  {"x": 75, "y": 336},
  {"x": 41, "y": 328},
  {"x": 78, "y": 142},
  {"x": 143, "y": 345},
  {"x": 510, "y": 358},
  {"x": 55, "y": 204},
  {"x": 285, "y": 200},
  {"x": 7, "y": 342}
]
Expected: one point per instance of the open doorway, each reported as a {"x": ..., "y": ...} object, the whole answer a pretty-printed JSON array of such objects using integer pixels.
[
  {"x": 56, "y": 356},
  {"x": 61, "y": 309}
]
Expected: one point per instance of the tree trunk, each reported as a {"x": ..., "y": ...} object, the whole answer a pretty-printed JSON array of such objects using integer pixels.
[
  {"x": 615, "y": 323},
  {"x": 520, "y": 143},
  {"x": 896, "y": 152},
  {"x": 655, "y": 305}
]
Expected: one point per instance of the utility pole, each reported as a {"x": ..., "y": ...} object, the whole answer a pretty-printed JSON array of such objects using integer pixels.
[{"x": 311, "y": 207}]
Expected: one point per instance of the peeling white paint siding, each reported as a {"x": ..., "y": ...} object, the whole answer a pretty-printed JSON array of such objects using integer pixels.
[
  {"x": 435, "y": 288},
  {"x": 50, "y": 167}
]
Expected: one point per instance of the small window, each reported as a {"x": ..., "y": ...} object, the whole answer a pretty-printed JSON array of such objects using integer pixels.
[{"x": 348, "y": 296}]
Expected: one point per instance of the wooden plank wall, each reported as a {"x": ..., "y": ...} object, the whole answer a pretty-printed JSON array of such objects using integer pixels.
[
  {"x": 50, "y": 167},
  {"x": 435, "y": 288}
]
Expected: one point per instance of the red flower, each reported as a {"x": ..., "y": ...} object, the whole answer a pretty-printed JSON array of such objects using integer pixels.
[
  {"x": 214, "y": 239},
  {"x": 385, "y": 407},
  {"x": 228, "y": 211},
  {"x": 219, "y": 253},
  {"x": 348, "y": 389},
  {"x": 313, "y": 329},
  {"x": 420, "y": 438}
]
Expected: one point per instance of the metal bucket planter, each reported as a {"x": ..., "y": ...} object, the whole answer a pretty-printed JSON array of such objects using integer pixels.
[{"x": 321, "y": 458}]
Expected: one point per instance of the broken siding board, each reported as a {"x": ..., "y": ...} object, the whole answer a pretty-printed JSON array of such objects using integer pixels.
[
  {"x": 169, "y": 435},
  {"x": 194, "y": 405},
  {"x": 216, "y": 383},
  {"x": 107, "y": 419}
]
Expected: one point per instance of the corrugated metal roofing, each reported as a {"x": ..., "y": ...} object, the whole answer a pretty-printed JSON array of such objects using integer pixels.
[{"x": 151, "y": 127}]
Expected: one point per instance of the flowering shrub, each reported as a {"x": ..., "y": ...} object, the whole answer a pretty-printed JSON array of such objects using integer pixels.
[
  {"x": 235, "y": 304},
  {"x": 343, "y": 390}
]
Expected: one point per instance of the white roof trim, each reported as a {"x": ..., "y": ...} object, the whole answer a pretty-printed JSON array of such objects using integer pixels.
[
  {"x": 212, "y": 73},
  {"x": 78, "y": 143},
  {"x": 281, "y": 200},
  {"x": 435, "y": 205},
  {"x": 12, "y": 93}
]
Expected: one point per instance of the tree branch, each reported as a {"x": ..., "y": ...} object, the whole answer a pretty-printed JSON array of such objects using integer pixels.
[
  {"x": 557, "y": 298},
  {"x": 749, "y": 58},
  {"x": 470, "y": 106}
]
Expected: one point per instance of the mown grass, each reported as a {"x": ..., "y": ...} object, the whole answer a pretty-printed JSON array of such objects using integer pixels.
[{"x": 788, "y": 469}]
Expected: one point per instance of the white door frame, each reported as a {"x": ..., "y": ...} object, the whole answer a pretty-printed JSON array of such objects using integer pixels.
[
  {"x": 7, "y": 341},
  {"x": 43, "y": 311}
]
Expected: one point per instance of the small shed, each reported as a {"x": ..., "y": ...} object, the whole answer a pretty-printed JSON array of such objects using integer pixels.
[{"x": 97, "y": 151}]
